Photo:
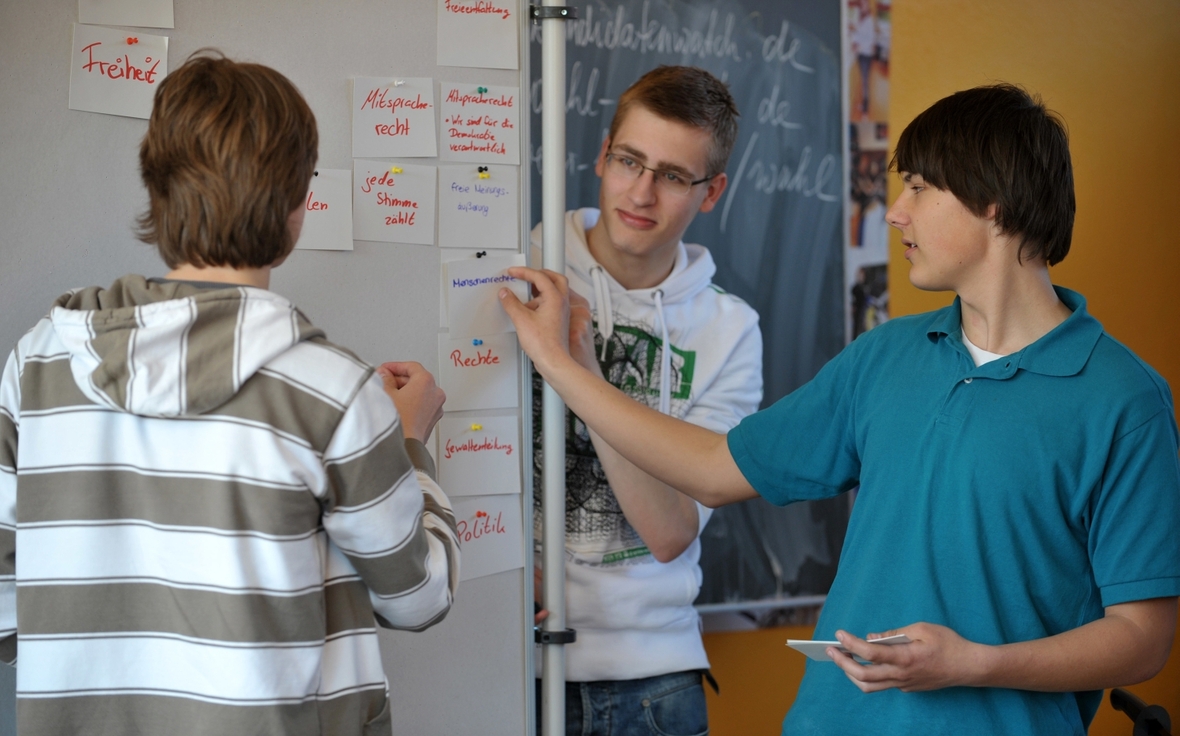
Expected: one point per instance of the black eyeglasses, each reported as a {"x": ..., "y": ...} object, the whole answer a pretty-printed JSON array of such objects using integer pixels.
[{"x": 628, "y": 168}]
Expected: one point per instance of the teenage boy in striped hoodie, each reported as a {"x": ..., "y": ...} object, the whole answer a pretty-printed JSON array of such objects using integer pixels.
[{"x": 207, "y": 507}]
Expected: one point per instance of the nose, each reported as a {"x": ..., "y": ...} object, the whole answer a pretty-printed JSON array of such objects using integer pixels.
[
  {"x": 643, "y": 188},
  {"x": 897, "y": 215}
]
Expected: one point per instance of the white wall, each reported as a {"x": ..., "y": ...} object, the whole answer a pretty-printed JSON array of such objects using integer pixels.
[{"x": 69, "y": 194}]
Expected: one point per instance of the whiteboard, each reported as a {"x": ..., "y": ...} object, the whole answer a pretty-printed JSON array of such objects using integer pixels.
[{"x": 68, "y": 200}]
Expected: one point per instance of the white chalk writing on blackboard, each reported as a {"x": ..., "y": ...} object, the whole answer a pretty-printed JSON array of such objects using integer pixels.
[{"x": 650, "y": 36}]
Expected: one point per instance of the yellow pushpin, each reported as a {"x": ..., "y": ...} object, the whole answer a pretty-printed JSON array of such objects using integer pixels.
[
  {"x": 396, "y": 170},
  {"x": 476, "y": 427}
]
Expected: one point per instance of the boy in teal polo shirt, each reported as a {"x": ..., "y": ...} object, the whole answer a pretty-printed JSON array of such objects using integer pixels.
[{"x": 1020, "y": 490}]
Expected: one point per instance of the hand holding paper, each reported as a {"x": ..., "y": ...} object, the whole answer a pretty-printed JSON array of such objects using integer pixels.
[
  {"x": 543, "y": 324},
  {"x": 418, "y": 400},
  {"x": 819, "y": 650},
  {"x": 936, "y": 657}
]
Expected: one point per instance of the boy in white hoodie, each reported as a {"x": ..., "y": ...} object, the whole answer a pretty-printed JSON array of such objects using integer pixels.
[{"x": 632, "y": 542}]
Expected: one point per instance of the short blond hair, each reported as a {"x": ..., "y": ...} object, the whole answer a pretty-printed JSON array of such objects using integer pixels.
[{"x": 689, "y": 95}]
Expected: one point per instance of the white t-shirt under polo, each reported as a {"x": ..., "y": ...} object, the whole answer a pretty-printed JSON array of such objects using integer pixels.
[{"x": 979, "y": 355}]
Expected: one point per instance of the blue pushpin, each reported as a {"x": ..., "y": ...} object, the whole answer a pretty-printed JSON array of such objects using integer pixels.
[{"x": 477, "y": 342}]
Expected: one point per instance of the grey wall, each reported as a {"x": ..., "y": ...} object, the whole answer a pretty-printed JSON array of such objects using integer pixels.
[{"x": 69, "y": 194}]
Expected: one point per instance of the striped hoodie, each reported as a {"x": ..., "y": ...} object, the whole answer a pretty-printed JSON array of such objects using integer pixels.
[{"x": 205, "y": 510}]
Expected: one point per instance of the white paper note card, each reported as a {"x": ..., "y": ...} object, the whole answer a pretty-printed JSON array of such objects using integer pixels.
[
  {"x": 480, "y": 207},
  {"x": 327, "y": 212},
  {"x": 478, "y": 455},
  {"x": 480, "y": 124},
  {"x": 479, "y": 33},
  {"x": 473, "y": 287},
  {"x": 479, "y": 372},
  {"x": 490, "y": 533},
  {"x": 138, "y": 13},
  {"x": 393, "y": 116},
  {"x": 393, "y": 203},
  {"x": 115, "y": 72}
]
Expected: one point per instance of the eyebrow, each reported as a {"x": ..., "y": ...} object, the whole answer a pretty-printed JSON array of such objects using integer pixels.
[{"x": 641, "y": 157}]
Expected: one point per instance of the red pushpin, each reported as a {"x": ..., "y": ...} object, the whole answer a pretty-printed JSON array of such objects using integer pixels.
[{"x": 132, "y": 40}]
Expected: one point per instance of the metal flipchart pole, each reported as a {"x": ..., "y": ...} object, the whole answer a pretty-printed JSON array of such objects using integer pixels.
[{"x": 553, "y": 634}]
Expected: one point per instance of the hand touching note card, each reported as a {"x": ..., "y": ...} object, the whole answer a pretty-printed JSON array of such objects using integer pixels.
[{"x": 472, "y": 288}]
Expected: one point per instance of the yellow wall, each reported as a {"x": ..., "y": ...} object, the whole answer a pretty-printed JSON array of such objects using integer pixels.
[{"x": 1112, "y": 70}]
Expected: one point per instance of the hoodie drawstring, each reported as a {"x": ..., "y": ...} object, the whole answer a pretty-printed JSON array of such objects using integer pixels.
[
  {"x": 603, "y": 307},
  {"x": 665, "y": 355},
  {"x": 604, "y": 314}
]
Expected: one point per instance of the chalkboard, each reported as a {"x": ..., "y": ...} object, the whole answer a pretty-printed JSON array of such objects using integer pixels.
[{"x": 776, "y": 236}]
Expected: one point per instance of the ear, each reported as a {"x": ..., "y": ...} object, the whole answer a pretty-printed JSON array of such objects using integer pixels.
[
  {"x": 713, "y": 191},
  {"x": 600, "y": 162}
]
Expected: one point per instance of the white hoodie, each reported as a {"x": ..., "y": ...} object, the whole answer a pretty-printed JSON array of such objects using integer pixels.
[{"x": 633, "y": 614}]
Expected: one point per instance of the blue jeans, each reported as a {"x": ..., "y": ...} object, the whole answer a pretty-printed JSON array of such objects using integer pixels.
[{"x": 664, "y": 705}]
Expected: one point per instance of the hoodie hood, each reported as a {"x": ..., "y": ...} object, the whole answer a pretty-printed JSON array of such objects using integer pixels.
[
  {"x": 172, "y": 349},
  {"x": 691, "y": 273}
]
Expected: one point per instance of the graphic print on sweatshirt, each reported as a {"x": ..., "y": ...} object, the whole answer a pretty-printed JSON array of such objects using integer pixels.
[{"x": 594, "y": 522}]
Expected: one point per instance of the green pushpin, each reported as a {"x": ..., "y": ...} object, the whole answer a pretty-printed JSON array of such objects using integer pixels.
[{"x": 481, "y": 90}]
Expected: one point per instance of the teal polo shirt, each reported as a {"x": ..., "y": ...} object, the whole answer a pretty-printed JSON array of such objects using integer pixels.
[{"x": 1010, "y": 501}]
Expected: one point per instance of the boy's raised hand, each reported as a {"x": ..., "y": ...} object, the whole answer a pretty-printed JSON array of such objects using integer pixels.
[
  {"x": 418, "y": 398},
  {"x": 543, "y": 324}
]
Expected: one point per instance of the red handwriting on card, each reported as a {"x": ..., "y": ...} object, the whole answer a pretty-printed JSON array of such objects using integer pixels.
[
  {"x": 477, "y": 446},
  {"x": 119, "y": 68},
  {"x": 388, "y": 201},
  {"x": 377, "y": 100},
  {"x": 314, "y": 204},
  {"x": 480, "y": 359},
  {"x": 401, "y": 126},
  {"x": 401, "y": 218},
  {"x": 481, "y": 7},
  {"x": 482, "y": 525},
  {"x": 385, "y": 180},
  {"x": 480, "y": 98}
]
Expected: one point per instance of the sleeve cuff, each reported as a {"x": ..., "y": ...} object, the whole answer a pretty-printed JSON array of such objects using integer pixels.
[
  {"x": 1139, "y": 591},
  {"x": 421, "y": 458}
]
